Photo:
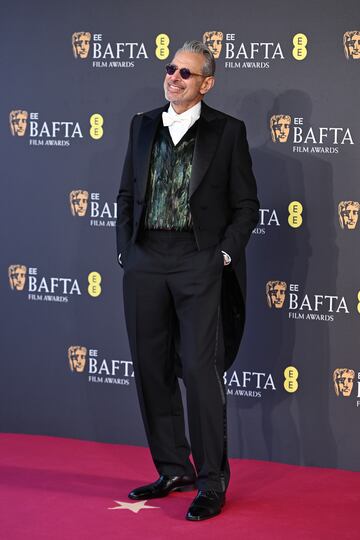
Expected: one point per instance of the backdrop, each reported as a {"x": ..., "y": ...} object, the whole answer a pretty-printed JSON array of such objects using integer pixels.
[{"x": 73, "y": 73}]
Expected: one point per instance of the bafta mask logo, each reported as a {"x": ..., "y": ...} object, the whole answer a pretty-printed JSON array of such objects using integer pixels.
[
  {"x": 280, "y": 127},
  {"x": 348, "y": 214},
  {"x": 18, "y": 122},
  {"x": 77, "y": 358},
  {"x": 81, "y": 44},
  {"x": 275, "y": 294},
  {"x": 343, "y": 381},
  {"x": 17, "y": 276},
  {"x": 213, "y": 40},
  {"x": 78, "y": 202},
  {"x": 352, "y": 44}
]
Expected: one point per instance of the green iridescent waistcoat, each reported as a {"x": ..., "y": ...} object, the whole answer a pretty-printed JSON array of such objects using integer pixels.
[{"x": 168, "y": 188}]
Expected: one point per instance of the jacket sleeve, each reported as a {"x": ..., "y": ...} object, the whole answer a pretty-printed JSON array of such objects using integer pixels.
[
  {"x": 242, "y": 197},
  {"x": 125, "y": 199}
]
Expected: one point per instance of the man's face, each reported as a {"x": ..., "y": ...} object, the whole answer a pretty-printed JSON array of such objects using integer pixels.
[
  {"x": 350, "y": 216},
  {"x": 353, "y": 45},
  {"x": 214, "y": 41},
  {"x": 17, "y": 277},
  {"x": 79, "y": 202},
  {"x": 182, "y": 93},
  {"x": 19, "y": 122},
  {"x": 78, "y": 359},
  {"x": 82, "y": 45},
  {"x": 277, "y": 295},
  {"x": 345, "y": 383},
  {"x": 281, "y": 129}
]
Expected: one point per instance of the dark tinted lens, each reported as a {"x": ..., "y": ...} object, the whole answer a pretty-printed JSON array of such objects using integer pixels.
[
  {"x": 185, "y": 73},
  {"x": 170, "y": 69}
]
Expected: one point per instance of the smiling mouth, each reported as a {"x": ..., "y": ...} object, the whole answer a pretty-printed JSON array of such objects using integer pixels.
[{"x": 174, "y": 87}]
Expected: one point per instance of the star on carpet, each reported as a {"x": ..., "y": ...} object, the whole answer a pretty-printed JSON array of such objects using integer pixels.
[{"x": 134, "y": 507}]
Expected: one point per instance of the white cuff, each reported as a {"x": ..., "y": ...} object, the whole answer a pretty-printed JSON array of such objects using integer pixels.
[{"x": 227, "y": 258}]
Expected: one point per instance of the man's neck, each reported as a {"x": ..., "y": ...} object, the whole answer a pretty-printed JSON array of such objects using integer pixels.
[{"x": 179, "y": 109}]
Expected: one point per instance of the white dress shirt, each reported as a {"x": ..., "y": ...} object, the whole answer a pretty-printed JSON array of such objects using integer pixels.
[{"x": 179, "y": 124}]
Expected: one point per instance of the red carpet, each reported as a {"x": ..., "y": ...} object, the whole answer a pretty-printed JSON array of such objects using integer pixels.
[{"x": 52, "y": 488}]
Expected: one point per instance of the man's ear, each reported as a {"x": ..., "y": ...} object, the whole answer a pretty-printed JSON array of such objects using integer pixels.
[{"x": 207, "y": 85}]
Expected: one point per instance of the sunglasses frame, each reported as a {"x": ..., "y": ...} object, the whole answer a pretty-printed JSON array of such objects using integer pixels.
[{"x": 182, "y": 72}]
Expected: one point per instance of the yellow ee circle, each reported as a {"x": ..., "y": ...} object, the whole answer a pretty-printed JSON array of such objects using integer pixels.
[
  {"x": 295, "y": 210},
  {"x": 96, "y": 123},
  {"x": 94, "y": 280},
  {"x": 162, "y": 46},
  {"x": 299, "y": 51},
  {"x": 291, "y": 375}
]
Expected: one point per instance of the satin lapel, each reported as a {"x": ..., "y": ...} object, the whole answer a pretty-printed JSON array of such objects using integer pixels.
[
  {"x": 208, "y": 135},
  {"x": 146, "y": 140}
]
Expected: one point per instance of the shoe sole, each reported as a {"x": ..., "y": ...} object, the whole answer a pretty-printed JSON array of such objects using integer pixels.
[
  {"x": 202, "y": 518},
  {"x": 205, "y": 518}
]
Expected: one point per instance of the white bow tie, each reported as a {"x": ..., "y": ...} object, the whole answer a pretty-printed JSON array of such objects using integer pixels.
[{"x": 170, "y": 119}]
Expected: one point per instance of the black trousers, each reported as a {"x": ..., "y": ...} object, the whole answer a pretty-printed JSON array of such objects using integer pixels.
[{"x": 168, "y": 281}]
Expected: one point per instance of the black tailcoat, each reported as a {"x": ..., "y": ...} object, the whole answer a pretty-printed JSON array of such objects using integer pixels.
[{"x": 223, "y": 201}]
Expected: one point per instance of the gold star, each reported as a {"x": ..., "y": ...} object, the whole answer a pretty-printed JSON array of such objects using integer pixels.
[{"x": 134, "y": 507}]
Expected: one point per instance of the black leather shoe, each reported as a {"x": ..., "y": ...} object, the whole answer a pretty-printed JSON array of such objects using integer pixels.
[
  {"x": 206, "y": 504},
  {"x": 162, "y": 487}
]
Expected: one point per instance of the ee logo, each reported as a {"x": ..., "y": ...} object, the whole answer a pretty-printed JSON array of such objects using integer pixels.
[
  {"x": 94, "y": 280},
  {"x": 300, "y": 51},
  {"x": 291, "y": 375},
  {"x": 96, "y": 123},
  {"x": 162, "y": 46},
  {"x": 295, "y": 210}
]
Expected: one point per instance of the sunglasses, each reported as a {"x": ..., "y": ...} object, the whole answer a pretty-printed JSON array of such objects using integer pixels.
[{"x": 185, "y": 73}]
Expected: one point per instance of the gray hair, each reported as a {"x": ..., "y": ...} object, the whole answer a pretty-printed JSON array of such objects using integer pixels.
[{"x": 200, "y": 48}]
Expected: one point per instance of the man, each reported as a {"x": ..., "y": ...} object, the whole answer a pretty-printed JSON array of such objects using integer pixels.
[{"x": 186, "y": 207}]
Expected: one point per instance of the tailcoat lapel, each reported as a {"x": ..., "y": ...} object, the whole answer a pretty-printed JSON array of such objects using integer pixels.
[
  {"x": 149, "y": 126},
  {"x": 208, "y": 134}
]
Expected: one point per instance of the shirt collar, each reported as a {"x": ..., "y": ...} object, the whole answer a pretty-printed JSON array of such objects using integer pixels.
[{"x": 193, "y": 113}]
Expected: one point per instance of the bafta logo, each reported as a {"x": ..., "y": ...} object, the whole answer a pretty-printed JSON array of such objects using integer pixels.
[
  {"x": 343, "y": 381},
  {"x": 213, "y": 40},
  {"x": 78, "y": 202},
  {"x": 352, "y": 44},
  {"x": 81, "y": 44},
  {"x": 17, "y": 276},
  {"x": 18, "y": 122},
  {"x": 77, "y": 358},
  {"x": 280, "y": 127},
  {"x": 348, "y": 212},
  {"x": 275, "y": 294}
]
